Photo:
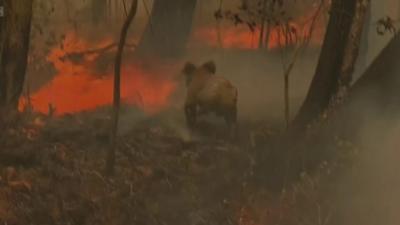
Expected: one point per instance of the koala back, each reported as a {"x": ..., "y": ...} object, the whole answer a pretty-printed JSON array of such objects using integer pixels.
[{"x": 217, "y": 92}]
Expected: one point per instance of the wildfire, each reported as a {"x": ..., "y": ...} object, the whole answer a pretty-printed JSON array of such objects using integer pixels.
[
  {"x": 80, "y": 85},
  {"x": 84, "y": 78},
  {"x": 240, "y": 37}
]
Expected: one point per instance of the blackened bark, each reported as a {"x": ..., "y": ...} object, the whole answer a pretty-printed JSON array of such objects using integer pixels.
[
  {"x": 262, "y": 26},
  {"x": 326, "y": 79},
  {"x": 168, "y": 29},
  {"x": 353, "y": 44},
  {"x": 14, "y": 46},
  {"x": 110, "y": 162}
]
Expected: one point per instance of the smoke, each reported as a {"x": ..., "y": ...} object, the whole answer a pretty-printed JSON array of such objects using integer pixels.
[
  {"x": 370, "y": 192},
  {"x": 259, "y": 79}
]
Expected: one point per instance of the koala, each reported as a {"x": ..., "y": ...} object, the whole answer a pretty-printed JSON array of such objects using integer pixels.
[{"x": 208, "y": 93}]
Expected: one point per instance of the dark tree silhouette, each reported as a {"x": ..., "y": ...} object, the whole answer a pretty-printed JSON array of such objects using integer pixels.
[
  {"x": 374, "y": 97},
  {"x": 168, "y": 29},
  {"x": 331, "y": 64},
  {"x": 15, "y": 29},
  {"x": 110, "y": 163},
  {"x": 364, "y": 47}
]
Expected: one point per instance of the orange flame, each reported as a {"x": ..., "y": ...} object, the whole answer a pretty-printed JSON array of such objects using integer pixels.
[
  {"x": 78, "y": 86},
  {"x": 240, "y": 37}
]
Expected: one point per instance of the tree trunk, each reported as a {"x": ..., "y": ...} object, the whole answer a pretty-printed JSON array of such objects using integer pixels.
[
  {"x": 15, "y": 29},
  {"x": 353, "y": 43},
  {"x": 218, "y": 27},
  {"x": 267, "y": 35},
  {"x": 110, "y": 162},
  {"x": 364, "y": 47},
  {"x": 262, "y": 25},
  {"x": 168, "y": 29},
  {"x": 326, "y": 79}
]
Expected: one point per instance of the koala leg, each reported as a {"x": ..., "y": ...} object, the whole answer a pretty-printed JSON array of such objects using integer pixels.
[
  {"x": 191, "y": 115},
  {"x": 231, "y": 120},
  {"x": 231, "y": 116}
]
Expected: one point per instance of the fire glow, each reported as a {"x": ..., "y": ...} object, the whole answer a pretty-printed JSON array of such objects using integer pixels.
[
  {"x": 79, "y": 86},
  {"x": 240, "y": 37}
]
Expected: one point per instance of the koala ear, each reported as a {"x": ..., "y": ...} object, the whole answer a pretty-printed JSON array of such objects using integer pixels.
[
  {"x": 188, "y": 68},
  {"x": 210, "y": 66}
]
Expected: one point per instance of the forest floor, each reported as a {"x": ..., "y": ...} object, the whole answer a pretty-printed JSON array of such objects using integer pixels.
[{"x": 51, "y": 172}]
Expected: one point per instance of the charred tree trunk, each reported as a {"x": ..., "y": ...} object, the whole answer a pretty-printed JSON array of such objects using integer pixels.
[
  {"x": 353, "y": 43},
  {"x": 15, "y": 29},
  {"x": 168, "y": 29},
  {"x": 267, "y": 34},
  {"x": 262, "y": 25},
  {"x": 110, "y": 162},
  {"x": 326, "y": 79}
]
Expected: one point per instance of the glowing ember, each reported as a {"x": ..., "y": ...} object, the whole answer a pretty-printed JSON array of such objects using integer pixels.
[{"x": 79, "y": 86}]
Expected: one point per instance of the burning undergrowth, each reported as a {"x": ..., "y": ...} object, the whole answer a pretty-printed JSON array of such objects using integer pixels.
[
  {"x": 227, "y": 36},
  {"x": 84, "y": 79},
  {"x": 159, "y": 181},
  {"x": 162, "y": 181}
]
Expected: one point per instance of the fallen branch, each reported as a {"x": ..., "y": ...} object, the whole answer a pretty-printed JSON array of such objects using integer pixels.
[{"x": 79, "y": 54}]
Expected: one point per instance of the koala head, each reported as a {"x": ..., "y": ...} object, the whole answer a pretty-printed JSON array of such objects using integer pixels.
[{"x": 190, "y": 70}]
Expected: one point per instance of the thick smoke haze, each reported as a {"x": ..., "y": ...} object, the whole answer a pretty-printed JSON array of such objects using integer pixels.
[
  {"x": 369, "y": 194},
  {"x": 265, "y": 71}
]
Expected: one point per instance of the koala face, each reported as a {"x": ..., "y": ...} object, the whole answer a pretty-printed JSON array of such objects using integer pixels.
[{"x": 190, "y": 70}]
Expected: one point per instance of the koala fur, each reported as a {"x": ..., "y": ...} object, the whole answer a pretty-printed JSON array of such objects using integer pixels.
[{"x": 208, "y": 93}]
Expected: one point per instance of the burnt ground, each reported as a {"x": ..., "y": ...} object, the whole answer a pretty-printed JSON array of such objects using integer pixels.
[{"x": 51, "y": 172}]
